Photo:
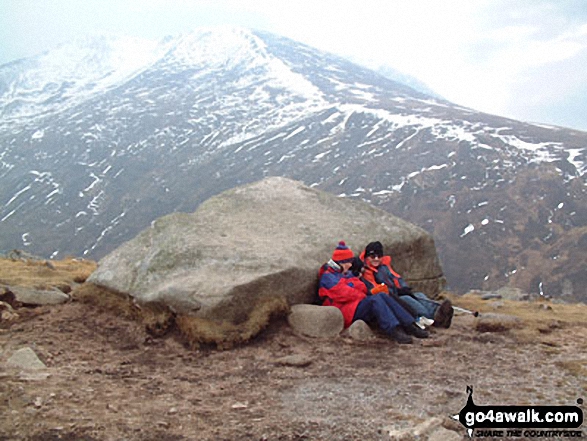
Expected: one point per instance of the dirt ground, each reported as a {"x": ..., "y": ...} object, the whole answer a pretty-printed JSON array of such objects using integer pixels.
[{"x": 106, "y": 379}]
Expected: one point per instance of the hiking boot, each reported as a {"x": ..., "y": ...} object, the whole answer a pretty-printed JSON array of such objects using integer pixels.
[
  {"x": 443, "y": 315},
  {"x": 416, "y": 331},
  {"x": 400, "y": 336}
]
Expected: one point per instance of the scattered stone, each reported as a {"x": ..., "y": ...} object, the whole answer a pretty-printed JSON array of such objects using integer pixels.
[
  {"x": 31, "y": 296},
  {"x": 239, "y": 406},
  {"x": 490, "y": 296},
  {"x": 510, "y": 293},
  {"x": 442, "y": 434},
  {"x": 360, "y": 331},
  {"x": 294, "y": 360},
  {"x": 33, "y": 375},
  {"x": 7, "y": 313},
  {"x": 418, "y": 432},
  {"x": 25, "y": 358},
  {"x": 492, "y": 322},
  {"x": 316, "y": 321}
]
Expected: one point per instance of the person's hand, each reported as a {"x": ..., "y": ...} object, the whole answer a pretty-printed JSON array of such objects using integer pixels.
[
  {"x": 380, "y": 288},
  {"x": 405, "y": 291}
]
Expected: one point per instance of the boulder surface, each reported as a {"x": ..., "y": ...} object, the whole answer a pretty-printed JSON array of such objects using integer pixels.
[{"x": 253, "y": 242}]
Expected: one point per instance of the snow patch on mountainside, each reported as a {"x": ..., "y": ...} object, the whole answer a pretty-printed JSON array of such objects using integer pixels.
[{"x": 72, "y": 72}]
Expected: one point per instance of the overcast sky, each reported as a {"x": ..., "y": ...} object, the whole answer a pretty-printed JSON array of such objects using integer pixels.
[{"x": 523, "y": 59}]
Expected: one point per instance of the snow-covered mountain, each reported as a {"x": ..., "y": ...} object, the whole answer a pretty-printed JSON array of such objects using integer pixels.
[{"x": 100, "y": 137}]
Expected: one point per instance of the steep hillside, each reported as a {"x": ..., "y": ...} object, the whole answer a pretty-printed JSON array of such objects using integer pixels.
[{"x": 90, "y": 156}]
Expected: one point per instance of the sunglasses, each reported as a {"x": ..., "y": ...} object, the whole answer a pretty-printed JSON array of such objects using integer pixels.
[{"x": 374, "y": 255}]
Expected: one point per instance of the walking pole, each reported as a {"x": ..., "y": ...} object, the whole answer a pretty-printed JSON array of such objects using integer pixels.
[{"x": 459, "y": 309}]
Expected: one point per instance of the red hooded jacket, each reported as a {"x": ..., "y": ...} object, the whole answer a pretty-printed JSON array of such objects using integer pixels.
[{"x": 342, "y": 290}]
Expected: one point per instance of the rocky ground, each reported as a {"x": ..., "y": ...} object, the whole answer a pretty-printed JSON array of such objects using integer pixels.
[{"x": 107, "y": 379}]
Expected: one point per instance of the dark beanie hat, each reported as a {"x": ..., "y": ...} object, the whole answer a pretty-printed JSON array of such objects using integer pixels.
[
  {"x": 342, "y": 253},
  {"x": 374, "y": 248}
]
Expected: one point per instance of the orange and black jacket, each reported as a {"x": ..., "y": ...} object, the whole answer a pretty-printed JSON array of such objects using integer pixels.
[{"x": 383, "y": 274}]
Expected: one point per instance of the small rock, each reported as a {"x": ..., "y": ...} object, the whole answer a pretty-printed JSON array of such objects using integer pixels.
[
  {"x": 361, "y": 331},
  {"x": 294, "y": 360},
  {"x": 316, "y": 321},
  {"x": 491, "y": 296},
  {"x": 239, "y": 406},
  {"x": 511, "y": 293},
  {"x": 31, "y": 296},
  {"x": 172, "y": 411},
  {"x": 7, "y": 312},
  {"x": 25, "y": 358},
  {"x": 31, "y": 375}
]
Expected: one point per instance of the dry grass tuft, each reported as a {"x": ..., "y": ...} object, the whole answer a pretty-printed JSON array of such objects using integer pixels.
[
  {"x": 538, "y": 318},
  {"x": 157, "y": 318},
  {"x": 223, "y": 334},
  {"x": 45, "y": 274},
  {"x": 577, "y": 368}
]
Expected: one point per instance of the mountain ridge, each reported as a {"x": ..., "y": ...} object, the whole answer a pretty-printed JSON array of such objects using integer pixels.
[{"x": 84, "y": 178}]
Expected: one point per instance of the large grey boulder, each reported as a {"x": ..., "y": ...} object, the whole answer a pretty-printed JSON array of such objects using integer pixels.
[{"x": 265, "y": 239}]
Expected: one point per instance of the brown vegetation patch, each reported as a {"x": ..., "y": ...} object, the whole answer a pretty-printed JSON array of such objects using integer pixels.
[
  {"x": 45, "y": 274},
  {"x": 107, "y": 379},
  {"x": 224, "y": 334},
  {"x": 158, "y": 319},
  {"x": 538, "y": 318}
]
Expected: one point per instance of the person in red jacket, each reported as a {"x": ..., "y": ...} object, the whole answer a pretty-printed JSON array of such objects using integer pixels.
[{"x": 339, "y": 287}]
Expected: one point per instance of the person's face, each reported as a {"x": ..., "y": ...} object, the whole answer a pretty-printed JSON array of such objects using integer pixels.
[
  {"x": 374, "y": 260},
  {"x": 346, "y": 266}
]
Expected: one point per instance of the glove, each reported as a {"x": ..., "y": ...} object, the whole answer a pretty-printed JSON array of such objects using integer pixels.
[
  {"x": 380, "y": 288},
  {"x": 405, "y": 291}
]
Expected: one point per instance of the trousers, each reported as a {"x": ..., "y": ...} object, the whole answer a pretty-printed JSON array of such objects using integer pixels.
[
  {"x": 384, "y": 311},
  {"x": 422, "y": 306}
]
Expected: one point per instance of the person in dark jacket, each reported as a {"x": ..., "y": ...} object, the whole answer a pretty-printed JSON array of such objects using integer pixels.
[
  {"x": 377, "y": 270},
  {"x": 339, "y": 287}
]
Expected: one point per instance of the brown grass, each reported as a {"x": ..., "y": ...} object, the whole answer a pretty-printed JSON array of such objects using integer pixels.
[
  {"x": 156, "y": 318},
  {"x": 159, "y": 320},
  {"x": 538, "y": 318},
  {"x": 45, "y": 274},
  {"x": 224, "y": 334}
]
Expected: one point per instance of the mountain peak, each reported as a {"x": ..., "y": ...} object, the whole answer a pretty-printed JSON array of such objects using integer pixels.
[{"x": 91, "y": 155}]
